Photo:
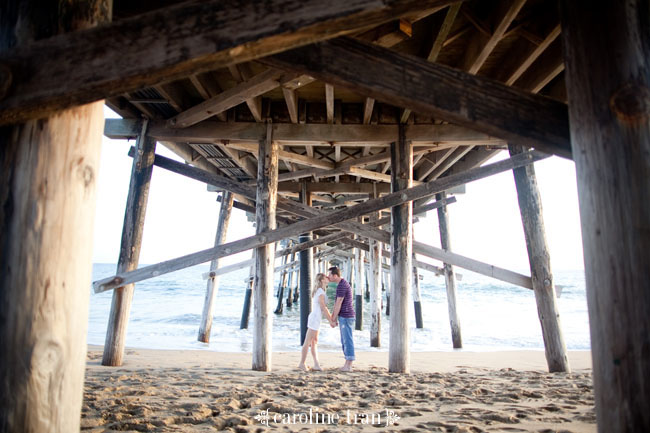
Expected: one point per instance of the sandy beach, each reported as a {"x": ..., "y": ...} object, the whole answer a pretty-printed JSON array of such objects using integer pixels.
[{"x": 200, "y": 391}]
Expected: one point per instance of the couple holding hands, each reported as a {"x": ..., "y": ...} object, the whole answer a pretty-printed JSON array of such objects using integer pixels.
[{"x": 343, "y": 316}]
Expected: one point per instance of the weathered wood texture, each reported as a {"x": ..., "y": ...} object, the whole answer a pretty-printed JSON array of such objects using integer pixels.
[
  {"x": 344, "y": 134},
  {"x": 401, "y": 247},
  {"x": 450, "y": 276},
  {"x": 374, "y": 285},
  {"x": 132, "y": 231},
  {"x": 434, "y": 89},
  {"x": 609, "y": 103},
  {"x": 212, "y": 285},
  {"x": 530, "y": 206},
  {"x": 306, "y": 271},
  {"x": 132, "y": 53},
  {"x": 48, "y": 173},
  {"x": 266, "y": 203},
  {"x": 359, "y": 286},
  {"x": 317, "y": 219}
]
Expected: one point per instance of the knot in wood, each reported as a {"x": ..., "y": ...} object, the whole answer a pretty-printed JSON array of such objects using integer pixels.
[
  {"x": 631, "y": 103},
  {"x": 5, "y": 80}
]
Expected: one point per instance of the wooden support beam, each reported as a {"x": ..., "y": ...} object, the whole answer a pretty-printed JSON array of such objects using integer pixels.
[
  {"x": 132, "y": 231},
  {"x": 374, "y": 282},
  {"x": 213, "y": 281},
  {"x": 315, "y": 219},
  {"x": 285, "y": 155},
  {"x": 312, "y": 133},
  {"x": 450, "y": 277},
  {"x": 47, "y": 208},
  {"x": 436, "y": 90},
  {"x": 140, "y": 55},
  {"x": 329, "y": 103},
  {"x": 610, "y": 130},
  {"x": 243, "y": 72},
  {"x": 530, "y": 206},
  {"x": 401, "y": 248},
  {"x": 306, "y": 271},
  {"x": 434, "y": 160},
  {"x": 533, "y": 55},
  {"x": 368, "y": 105},
  {"x": 291, "y": 98},
  {"x": 449, "y": 161},
  {"x": 266, "y": 201},
  {"x": 417, "y": 303},
  {"x": 482, "y": 46},
  {"x": 255, "y": 86}
]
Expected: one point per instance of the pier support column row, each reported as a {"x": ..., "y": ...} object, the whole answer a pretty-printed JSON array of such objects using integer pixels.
[
  {"x": 401, "y": 256},
  {"x": 266, "y": 200},
  {"x": 213, "y": 282}
]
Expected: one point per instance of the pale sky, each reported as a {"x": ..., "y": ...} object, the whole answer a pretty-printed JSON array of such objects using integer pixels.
[{"x": 485, "y": 222}]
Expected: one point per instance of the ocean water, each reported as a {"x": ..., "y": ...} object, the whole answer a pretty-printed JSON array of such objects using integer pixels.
[{"x": 166, "y": 314}]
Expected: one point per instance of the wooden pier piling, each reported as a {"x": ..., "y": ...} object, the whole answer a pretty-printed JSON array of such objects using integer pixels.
[
  {"x": 417, "y": 304},
  {"x": 359, "y": 287},
  {"x": 213, "y": 282},
  {"x": 267, "y": 189},
  {"x": 132, "y": 231},
  {"x": 450, "y": 277},
  {"x": 401, "y": 248},
  {"x": 306, "y": 260},
  {"x": 609, "y": 111}
]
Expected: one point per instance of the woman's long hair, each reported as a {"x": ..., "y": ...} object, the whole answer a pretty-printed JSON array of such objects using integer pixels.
[{"x": 318, "y": 279}]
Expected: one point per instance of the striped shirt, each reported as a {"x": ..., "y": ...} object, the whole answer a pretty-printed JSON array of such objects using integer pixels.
[{"x": 343, "y": 290}]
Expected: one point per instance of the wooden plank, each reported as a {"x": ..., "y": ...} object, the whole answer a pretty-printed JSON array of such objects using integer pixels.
[
  {"x": 611, "y": 136},
  {"x": 434, "y": 161},
  {"x": 401, "y": 247},
  {"x": 449, "y": 161},
  {"x": 350, "y": 135},
  {"x": 133, "y": 53},
  {"x": 530, "y": 206},
  {"x": 212, "y": 285},
  {"x": 255, "y": 86},
  {"x": 436, "y": 90},
  {"x": 482, "y": 46},
  {"x": 243, "y": 72},
  {"x": 450, "y": 277},
  {"x": 533, "y": 55},
  {"x": 368, "y": 105},
  {"x": 132, "y": 231},
  {"x": 48, "y": 186},
  {"x": 315, "y": 219},
  {"x": 266, "y": 202},
  {"x": 285, "y": 155},
  {"x": 329, "y": 103},
  {"x": 291, "y": 98}
]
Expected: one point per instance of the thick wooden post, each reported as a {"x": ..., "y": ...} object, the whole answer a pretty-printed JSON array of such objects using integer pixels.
[
  {"x": 48, "y": 172},
  {"x": 450, "y": 276},
  {"x": 401, "y": 253},
  {"x": 132, "y": 230},
  {"x": 530, "y": 206},
  {"x": 306, "y": 260},
  {"x": 385, "y": 283},
  {"x": 417, "y": 305},
  {"x": 609, "y": 113},
  {"x": 213, "y": 282},
  {"x": 267, "y": 189},
  {"x": 359, "y": 287}
]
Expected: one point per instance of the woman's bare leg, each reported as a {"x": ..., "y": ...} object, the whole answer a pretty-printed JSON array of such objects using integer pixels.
[
  {"x": 314, "y": 352},
  {"x": 305, "y": 348}
]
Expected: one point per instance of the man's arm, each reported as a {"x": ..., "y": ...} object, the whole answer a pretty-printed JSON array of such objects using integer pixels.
[{"x": 337, "y": 309}]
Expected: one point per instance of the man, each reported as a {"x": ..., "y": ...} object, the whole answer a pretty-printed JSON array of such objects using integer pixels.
[{"x": 344, "y": 312}]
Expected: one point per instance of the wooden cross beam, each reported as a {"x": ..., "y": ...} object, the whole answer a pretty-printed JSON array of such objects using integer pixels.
[
  {"x": 437, "y": 90},
  {"x": 314, "y": 219},
  {"x": 84, "y": 66}
]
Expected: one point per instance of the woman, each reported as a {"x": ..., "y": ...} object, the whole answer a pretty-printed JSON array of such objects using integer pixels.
[{"x": 319, "y": 307}]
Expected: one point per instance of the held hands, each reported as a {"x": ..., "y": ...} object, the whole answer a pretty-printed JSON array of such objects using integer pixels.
[{"x": 333, "y": 323}]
